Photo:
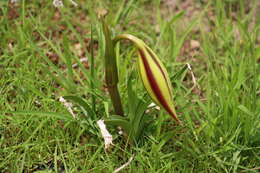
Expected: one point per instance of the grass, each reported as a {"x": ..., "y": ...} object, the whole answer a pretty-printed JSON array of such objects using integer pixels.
[{"x": 39, "y": 44}]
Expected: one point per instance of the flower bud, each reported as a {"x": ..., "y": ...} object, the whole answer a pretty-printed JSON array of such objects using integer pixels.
[{"x": 154, "y": 75}]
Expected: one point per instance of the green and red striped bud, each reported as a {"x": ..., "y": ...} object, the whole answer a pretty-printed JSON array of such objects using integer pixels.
[{"x": 153, "y": 74}]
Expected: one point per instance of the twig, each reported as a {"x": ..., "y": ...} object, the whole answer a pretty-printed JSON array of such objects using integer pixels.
[
  {"x": 193, "y": 76},
  {"x": 124, "y": 165},
  {"x": 85, "y": 59},
  {"x": 73, "y": 3},
  {"x": 105, "y": 134},
  {"x": 252, "y": 169},
  {"x": 68, "y": 105}
]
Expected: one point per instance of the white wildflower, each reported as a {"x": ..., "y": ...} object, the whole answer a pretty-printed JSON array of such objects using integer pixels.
[
  {"x": 14, "y": 1},
  {"x": 57, "y": 3}
]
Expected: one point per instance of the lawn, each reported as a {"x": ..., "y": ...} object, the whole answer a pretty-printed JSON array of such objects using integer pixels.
[{"x": 211, "y": 50}]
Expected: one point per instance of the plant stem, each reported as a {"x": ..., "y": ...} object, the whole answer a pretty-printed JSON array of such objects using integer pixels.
[
  {"x": 116, "y": 101},
  {"x": 92, "y": 72},
  {"x": 111, "y": 74}
]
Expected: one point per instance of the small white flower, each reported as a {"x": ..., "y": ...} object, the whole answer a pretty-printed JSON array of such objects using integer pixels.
[
  {"x": 57, "y": 3},
  {"x": 14, "y": 1}
]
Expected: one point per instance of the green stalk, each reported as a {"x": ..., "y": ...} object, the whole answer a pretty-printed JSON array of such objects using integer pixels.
[
  {"x": 111, "y": 73},
  {"x": 92, "y": 72}
]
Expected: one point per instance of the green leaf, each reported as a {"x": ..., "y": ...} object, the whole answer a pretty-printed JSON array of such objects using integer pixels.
[
  {"x": 179, "y": 73},
  {"x": 245, "y": 110},
  {"x": 81, "y": 102},
  {"x": 117, "y": 120},
  {"x": 138, "y": 121},
  {"x": 132, "y": 97},
  {"x": 61, "y": 116}
]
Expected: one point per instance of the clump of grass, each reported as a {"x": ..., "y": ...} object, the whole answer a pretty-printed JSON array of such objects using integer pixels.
[{"x": 221, "y": 120}]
